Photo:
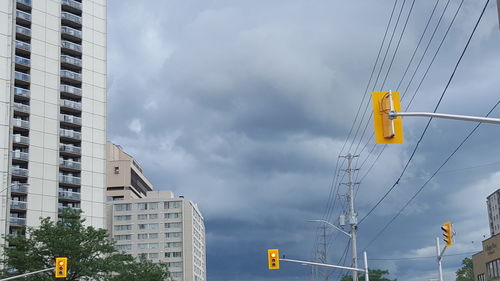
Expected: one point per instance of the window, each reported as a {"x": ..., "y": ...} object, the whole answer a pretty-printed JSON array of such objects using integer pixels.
[
  {"x": 123, "y": 227},
  {"x": 117, "y": 170},
  {"x": 153, "y": 255},
  {"x": 480, "y": 277},
  {"x": 126, "y": 247},
  {"x": 148, "y": 226},
  {"x": 142, "y": 236},
  {"x": 175, "y": 274},
  {"x": 123, "y": 218},
  {"x": 123, "y": 237},
  {"x": 142, "y": 217},
  {"x": 173, "y": 215},
  {"x": 123, "y": 207},
  {"x": 174, "y": 264},
  {"x": 153, "y": 216},
  {"x": 173, "y": 225},
  {"x": 172, "y": 205},
  {"x": 173, "y": 254},
  {"x": 153, "y": 236},
  {"x": 147, "y": 206},
  {"x": 493, "y": 268},
  {"x": 173, "y": 234},
  {"x": 147, "y": 246},
  {"x": 153, "y": 206},
  {"x": 173, "y": 244}
]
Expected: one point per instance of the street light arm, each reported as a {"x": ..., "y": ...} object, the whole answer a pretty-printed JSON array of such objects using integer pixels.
[{"x": 334, "y": 226}]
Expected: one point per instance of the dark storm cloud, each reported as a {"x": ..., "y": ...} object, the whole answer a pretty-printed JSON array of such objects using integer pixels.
[{"x": 243, "y": 106}]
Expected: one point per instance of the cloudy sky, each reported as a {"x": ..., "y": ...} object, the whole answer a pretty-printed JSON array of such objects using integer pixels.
[{"x": 245, "y": 106}]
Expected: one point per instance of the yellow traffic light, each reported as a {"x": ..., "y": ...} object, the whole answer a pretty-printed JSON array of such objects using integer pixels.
[
  {"x": 387, "y": 130},
  {"x": 61, "y": 267},
  {"x": 273, "y": 258},
  {"x": 448, "y": 233}
]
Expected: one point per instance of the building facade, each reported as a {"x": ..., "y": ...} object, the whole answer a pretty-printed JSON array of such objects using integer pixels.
[
  {"x": 493, "y": 203},
  {"x": 486, "y": 264},
  {"x": 52, "y": 110},
  {"x": 125, "y": 179},
  {"x": 164, "y": 229}
]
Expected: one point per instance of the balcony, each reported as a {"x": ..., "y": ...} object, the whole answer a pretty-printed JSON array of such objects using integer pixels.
[
  {"x": 71, "y": 90},
  {"x": 22, "y": 63},
  {"x": 71, "y": 105},
  {"x": 72, "y": 6},
  {"x": 19, "y": 155},
  {"x": 21, "y": 93},
  {"x": 71, "y": 33},
  {"x": 71, "y": 19},
  {"x": 20, "y": 123},
  {"x": 71, "y": 76},
  {"x": 71, "y": 62},
  {"x": 18, "y": 139},
  {"x": 69, "y": 164},
  {"x": 23, "y": 47},
  {"x": 23, "y": 17},
  {"x": 71, "y": 47},
  {"x": 18, "y": 187},
  {"x": 70, "y": 119},
  {"x": 70, "y": 195},
  {"x": 62, "y": 208},
  {"x": 22, "y": 78},
  {"x": 18, "y": 205},
  {"x": 21, "y": 172},
  {"x": 67, "y": 179},
  {"x": 21, "y": 108},
  {"x": 23, "y": 32},
  {"x": 70, "y": 149},
  {"x": 17, "y": 221},
  {"x": 70, "y": 134}
]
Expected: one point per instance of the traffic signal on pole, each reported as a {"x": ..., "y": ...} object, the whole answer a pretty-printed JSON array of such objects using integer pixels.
[
  {"x": 61, "y": 267},
  {"x": 273, "y": 258},
  {"x": 387, "y": 130},
  {"x": 447, "y": 233}
]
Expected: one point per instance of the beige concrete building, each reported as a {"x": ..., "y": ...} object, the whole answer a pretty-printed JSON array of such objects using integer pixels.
[
  {"x": 486, "y": 264},
  {"x": 125, "y": 179},
  {"x": 163, "y": 229},
  {"x": 52, "y": 110}
]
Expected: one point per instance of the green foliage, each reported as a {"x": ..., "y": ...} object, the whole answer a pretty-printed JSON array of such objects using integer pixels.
[
  {"x": 91, "y": 255},
  {"x": 139, "y": 269},
  {"x": 374, "y": 274},
  {"x": 465, "y": 273}
]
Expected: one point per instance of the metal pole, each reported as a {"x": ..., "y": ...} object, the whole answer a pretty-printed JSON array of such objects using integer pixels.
[
  {"x": 27, "y": 274},
  {"x": 325, "y": 273},
  {"x": 440, "y": 269},
  {"x": 352, "y": 218},
  {"x": 394, "y": 114},
  {"x": 321, "y": 264},
  {"x": 367, "y": 277}
]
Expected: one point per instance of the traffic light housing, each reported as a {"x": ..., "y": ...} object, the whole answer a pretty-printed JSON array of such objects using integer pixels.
[
  {"x": 273, "y": 258},
  {"x": 61, "y": 267},
  {"x": 387, "y": 130},
  {"x": 447, "y": 233}
]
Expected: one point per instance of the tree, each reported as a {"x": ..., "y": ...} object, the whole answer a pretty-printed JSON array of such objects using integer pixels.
[
  {"x": 91, "y": 255},
  {"x": 141, "y": 269},
  {"x": 374, "y": 274},
  {"x": 465, "y": 273}
]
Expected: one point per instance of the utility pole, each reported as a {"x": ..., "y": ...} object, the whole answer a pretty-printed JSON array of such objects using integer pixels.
[{"x": 353, "y": 220}]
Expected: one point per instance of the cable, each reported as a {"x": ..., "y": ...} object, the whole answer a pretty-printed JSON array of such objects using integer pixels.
[
  {"x": 435, "y": 109},
  {"x": 432, "y": 176}
]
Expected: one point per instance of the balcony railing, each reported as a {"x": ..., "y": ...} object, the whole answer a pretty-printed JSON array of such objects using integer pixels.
[
  {"x": 23, "y": 30},
  {"x": 70, "y": 149},
  {"x": 71, "y": 17},
  {"x": 25, "y": 124},
  {"x": 20, "y": 205},
  {"x": 70, "y": 134},
  {"x": 22, "y": 61},
  {"x": 23, "y": 46},
  {"x": 71, "y": 104},
  {"x": 70, "y": 164},
  {"x": 19, "y": 187},
  {"x": 19, "y": 171},
  {"x": 62, "y": 208},
  {"x": 21, "y": 107},
  {"x": 23, "y": 15},
  {"x": 71, "y": 32},
  {"x": 17, "y": 221},
  {"x": 73, "y": 4},
  {"x": 70, "y": 195},
  {"x": 71, "y": 46},
  {"x": 71, "y": 90},
  {"x": 24, "y": 2},
  {"x": 19, "y": 155},
  {"x": 22, "y": 76},
  {"x": 70, "y": 119},
  {"x": 20, "y": 139},
  {"x": 71, "y": 60},
  {"x": 21, "y": 92},
  {"x": 69, "y": 179},
  {"x": 71, "y": 75}
]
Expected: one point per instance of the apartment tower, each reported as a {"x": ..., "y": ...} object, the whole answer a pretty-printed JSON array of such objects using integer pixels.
[
  {"x": 52, "y": 110},
  {"x": 493, "y": 203}
]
